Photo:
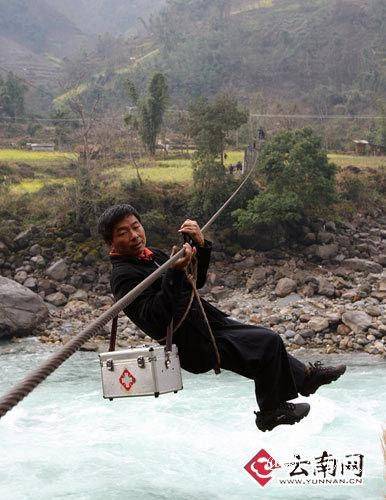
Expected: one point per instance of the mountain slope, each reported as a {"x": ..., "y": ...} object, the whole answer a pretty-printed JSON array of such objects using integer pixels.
[
  {"x": 296, "y": 48},
  {"x": 38, "y": 26},
  {"x": 101, "y": 16}
]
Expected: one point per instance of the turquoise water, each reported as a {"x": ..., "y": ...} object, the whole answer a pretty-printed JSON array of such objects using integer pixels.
[{"x": 65, "y": 442}]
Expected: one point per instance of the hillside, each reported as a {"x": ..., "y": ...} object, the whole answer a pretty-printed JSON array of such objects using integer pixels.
[
  {"x": 101, "y": 16},
  {"x": 38, "y": 26},
  {"x": 321, "y": 50},
  {"x": 34, "y": 36},
  {"x": 322, "y": 57}
]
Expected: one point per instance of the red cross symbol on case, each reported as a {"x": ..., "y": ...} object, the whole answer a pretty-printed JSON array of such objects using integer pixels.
[{"x": 127, "y": 379}]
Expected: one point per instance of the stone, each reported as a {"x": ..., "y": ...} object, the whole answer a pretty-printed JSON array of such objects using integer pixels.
[
  {"x": 373, "y": 310},
  {"x": 31, "y": 283},
  {"x": 23, "y": 239},
  {"x": 292, "y": 298},
  {"x": 306, "y": 334},
  {"x": 285, "y": 286},
  {"x": 325, "y": 237},
  {"x": 3, "y": 248},
  {"x": 57, "y": 299},
  {"x": 35, "y": 250},
  {"x": 38, "y": 261},
  {"x": 231, "y": 280},
  {"x": 47, "y": 286},
  {"x": 379, "y": 345},
  {"x": 343, "y": 343},
  {"x": 247, "y": 263},
  {"x": 20, "y": 277},
  {"x": 299, "y": 340},
  {"x": 309, "y": 289},
  {"x": 79, "y": 295},
  {"x": 318, "y": 324},
  {"x": 76, "y": 280},
  {"x": 334, "y": 318},
  {"x": 289, "y": 334},
  {"x": 382, "y": 284},
  {"x": 21, "y": 310},
  {"x": 363, "y": 265},
  {"x": 326, "y": 252},
  {"x": 258, "y": 278},
  {"x": 58, "y": 271},
  {"x": 358, "y": 321},
  {"x": 89, "y": 276},
  {"x": 381, "y": 259},
  {"x": 309, "y": 238},
  {"x": 219, "y": 292},
  {"x": 350, "y": 295},
  {"x": 330, "y": 226},
  {"x": 325, "y": 287},
  {"x": 67, "y": 289}
]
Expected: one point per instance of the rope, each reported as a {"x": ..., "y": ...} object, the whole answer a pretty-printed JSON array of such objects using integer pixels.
[
  {"x": 192, "y": 278},
  {"x": 19, "y": 391}
]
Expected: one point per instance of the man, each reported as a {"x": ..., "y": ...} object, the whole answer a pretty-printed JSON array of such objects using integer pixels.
[{"x": 252, "y": 351}]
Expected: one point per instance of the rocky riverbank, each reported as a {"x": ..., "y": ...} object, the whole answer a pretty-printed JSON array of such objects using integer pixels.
[{"x": 327, "y": 292}]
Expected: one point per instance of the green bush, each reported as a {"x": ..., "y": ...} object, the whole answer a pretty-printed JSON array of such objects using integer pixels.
[
  {"x": 212, "y": 186},
  {"x": 298, "y": 182}
]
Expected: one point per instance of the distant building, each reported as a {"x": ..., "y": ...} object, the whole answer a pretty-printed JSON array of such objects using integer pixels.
[
  {"x": 94, "y": 151},
  {"x": 34, "y": 146},
  {"x": 363, "y": 147}
]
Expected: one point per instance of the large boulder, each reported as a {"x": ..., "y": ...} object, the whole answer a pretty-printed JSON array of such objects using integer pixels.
[
  {"x": 325, "y": 287},
  {"x": 258, "y": 278},
  {"x": 285, "y": 286},
  {"x": 21, "y": 310},
  {"x": 318, "y": 324},
  {"x": 327, "y": 252},
  {"x": 358, "y": 321},
  {"x": 364, "y": 265},
  {"x": 58, "y": 271}
]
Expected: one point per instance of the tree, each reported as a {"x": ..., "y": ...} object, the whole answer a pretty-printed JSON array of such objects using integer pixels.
[
  {"x": 12, "y": 92},
  {"x": 212, "y": 187},
  {"x": 298, "y": 179},
  {"x": 147, "y": 116},
  {"x": 381, "y": 132},
  {"x": 210, "y": 122}
]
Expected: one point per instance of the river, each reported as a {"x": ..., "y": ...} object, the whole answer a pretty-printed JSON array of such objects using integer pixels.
[{"x": 65, "y": 442}]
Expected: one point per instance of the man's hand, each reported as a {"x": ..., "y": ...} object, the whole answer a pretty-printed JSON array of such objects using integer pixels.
[
  {"x": 183, "y": 261},
  {"x": 192, "y": 229}
]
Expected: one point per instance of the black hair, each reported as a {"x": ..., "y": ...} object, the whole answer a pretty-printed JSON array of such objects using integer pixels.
[{"x": 111, "y": 216}]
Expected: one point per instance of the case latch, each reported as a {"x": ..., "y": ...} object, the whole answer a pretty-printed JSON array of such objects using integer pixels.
[{"x": 141, "y": 361}]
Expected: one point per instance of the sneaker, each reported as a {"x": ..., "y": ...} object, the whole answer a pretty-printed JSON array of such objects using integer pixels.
[
  {"x": 320, "y": 375},
  {"x": 285, "y": 413}
]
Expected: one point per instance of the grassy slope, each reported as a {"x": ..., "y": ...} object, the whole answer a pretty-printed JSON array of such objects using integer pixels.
[
  {"x": 176, "y": 170},
  {"x": 9, "y": 156}
]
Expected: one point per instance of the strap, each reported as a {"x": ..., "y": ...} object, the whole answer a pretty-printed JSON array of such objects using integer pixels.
[
  {"x": 113, "y": 335},
  {"x": 169, "y": 337}
]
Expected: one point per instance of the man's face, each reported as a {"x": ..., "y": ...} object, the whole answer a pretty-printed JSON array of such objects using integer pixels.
[{"x": 129, "y": 236}]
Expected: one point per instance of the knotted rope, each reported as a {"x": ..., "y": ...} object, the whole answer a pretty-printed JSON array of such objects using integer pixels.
[{"x": 191, "y": 276}]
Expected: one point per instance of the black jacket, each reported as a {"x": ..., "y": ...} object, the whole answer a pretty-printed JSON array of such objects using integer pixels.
[{"x": 168, "y": 298}]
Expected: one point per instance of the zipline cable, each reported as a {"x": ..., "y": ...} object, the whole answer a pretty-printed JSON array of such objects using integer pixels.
[{"x": 35, "y": 377}]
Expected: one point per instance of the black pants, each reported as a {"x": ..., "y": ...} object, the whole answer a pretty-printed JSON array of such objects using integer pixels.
[
  {"x": 258, "y": 353},
  {"x": 252, "y": 351}
]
